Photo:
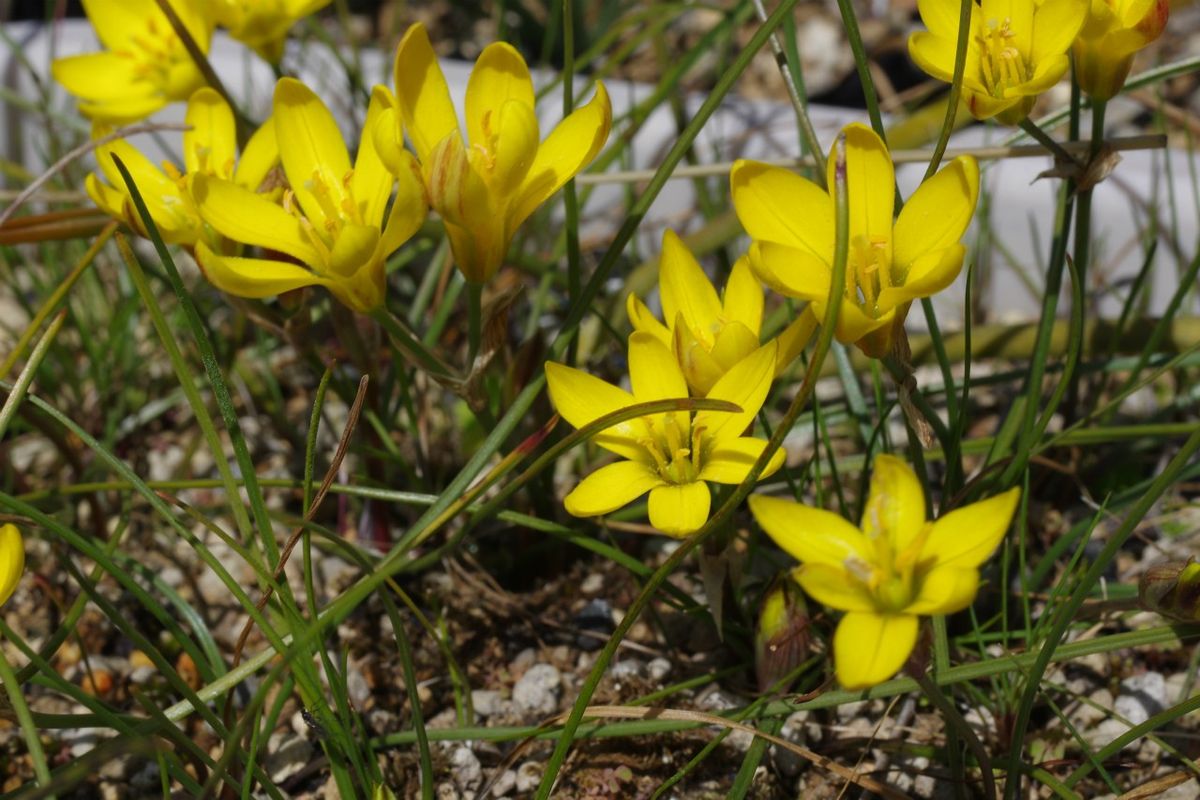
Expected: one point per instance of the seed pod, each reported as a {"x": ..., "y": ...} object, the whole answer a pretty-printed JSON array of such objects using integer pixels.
[
  {"x": 781, "y": 640},
  {"x": 1172, "y": 589}
]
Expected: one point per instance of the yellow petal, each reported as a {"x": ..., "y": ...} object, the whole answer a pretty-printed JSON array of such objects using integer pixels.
[
  {"x": 516, "y": 145},
  {"x": 1055, "y": 26},
  {"x": 699, "y": 367},
  {"x": 933, "y": 53},
  {"x": 352, "y": 249},
  {"x": 311, "y": 149},
  {"x": 610, "y": 487},
  {"x": 244, "y": 216},
  {"x": 895, "y": 506},
  {"x": 253, "y": 277},
  {"x": 643, "y": 320},
  {"x": 794, "y": 338},
  {"x": 12, "y": 560},
  {"x": 967, "y": 536},
  {"x": 372, "y": 182},
  {"x": 683, "y": 286},
  {"x": 679, "y": 509},
  {"x": 768, "y": 201},
  {"x": 742, "y": 300},
  {"x": 984, "y": 106},
  {"x": 117, "y": 23},
  {"x": 734, "y": 342},
  {"x": 653, "y": 371},
  {"x": 1048, "y": 72},
  {"x": 124, "y": 111},
  {"x": 869, "y": 648},
  {"x": 928, "y": 275},
  {"x": 478, "y": 236},
  {"x": 422, "y": 96},
  {"x": 834, "y": 587},
  {"x": 746, "y": 385},
  {"x": 570, "y": 147},
  {"x": 211, "y": 145},
  {"x": 259, "y": 157},
  {"x": 97, "y": 76},
  {"x": 937, "y": 214},
  {"x": 499, "y": 76},
  {"x": 363, "y": 290},
  {"x": 108, "y": 199},
  {"x": 940, "y": 17},
  {"x": 870, "y": 185},
  {"x": 409, "y": 207},
  {"x": 853, "y": 324},
  {"x": 730, "y": 460},
  {"x": 810, "y": 535},
  {"x": 790, "y": 271},
  {"x": 945, "y": 590},
  {"x": 581, "y": 399}
]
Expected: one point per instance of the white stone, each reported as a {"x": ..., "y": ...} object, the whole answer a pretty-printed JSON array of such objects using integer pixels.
[{"x": 538, "y": 690}]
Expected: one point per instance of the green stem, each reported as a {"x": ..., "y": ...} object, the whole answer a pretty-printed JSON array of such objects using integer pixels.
[
  {"x": 952, "y": 102},
  {"x": 474, "y": 320},
  {"x": 21, "y": 710},
  {"x": 1047, "y": 141}
]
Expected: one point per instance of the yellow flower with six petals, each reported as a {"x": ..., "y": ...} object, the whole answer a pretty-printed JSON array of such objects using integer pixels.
[
  {"x": 669, "y": 455},
  {"x": 12, "y": 560},
  {"x": 1017, "y": 49},
  {"x": 895, "y": 567},
  {"x": 209, "y": 147},
  {"x": 1114, "y": 31},
  {"x": 710, "y": 334},
  {"x": 332, "y": 218},
  {"x": 145, "y": 65},
  {"x": 485, "y": 188},
  {"x": 891, "y": 263},
  {"x": 263, "y": 24}
]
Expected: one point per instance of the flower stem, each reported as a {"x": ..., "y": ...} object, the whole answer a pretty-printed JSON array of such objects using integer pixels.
[
  {"x": 1083, "y": 228},
  {"x": 1046, "y": 140},
  {"x": 474, "y": 320}
]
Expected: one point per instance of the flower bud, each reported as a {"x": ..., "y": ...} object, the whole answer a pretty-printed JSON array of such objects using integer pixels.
[
  {"x": 781, "y": 640},
  {"x": 1172, "y": 589}
]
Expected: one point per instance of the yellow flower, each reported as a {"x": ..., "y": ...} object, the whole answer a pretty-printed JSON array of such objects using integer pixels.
[
  {"x": 1016, "y": 51},
  {"x": 1114, "y": 31},
  {"x": 486, "y": 187},
  {"x": 710, "y": 334},
  {"x": 210, "y": 147},
  {"x": 791, "y": 221},
  {"x": 897, "y": 567},
  {"x": 145, "y": 65},
  {"x": 669, "y": 455},
  {"x": 263, "y": 24},
  {"x": 12, "y": 560},
  {"x": 332, "y": 219}
]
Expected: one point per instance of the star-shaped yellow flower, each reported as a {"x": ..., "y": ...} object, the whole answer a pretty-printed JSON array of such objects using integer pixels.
[
  {"x": 209, "y": 147},
  {"x": 1114, "y": 31},
  {"x": 485, "y": 187},
  {"x": 12, "y": 560},
  {"x": 891, "y": 263},
  {"x": 332, "y": 219},
  {"x": 710, "y": 334},
  {"x": 1016, "y": 51},
  {"x": 263, "y": 24},
  {"x": 145, "y": 65},
  {"x": 897, "y": 567},
  {"x": 668, "y": 455}
]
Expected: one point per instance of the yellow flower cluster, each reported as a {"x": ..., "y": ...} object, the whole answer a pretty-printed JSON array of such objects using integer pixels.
[
  {"x": 320, "y": 218},
  {"x": 898, "y": 566},
  {"x": 1018, "y": 49},
  {"x": 145, "y": 64}
]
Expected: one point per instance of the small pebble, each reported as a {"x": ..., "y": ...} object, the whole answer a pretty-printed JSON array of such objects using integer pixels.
[
  {"x": 504, "y": 784},
  {"x": 529, "y": 774},
  {"x": 486, "y": 702},
  {"x": 538, "y": 690},
  {"x": 465, "y": 769}
]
